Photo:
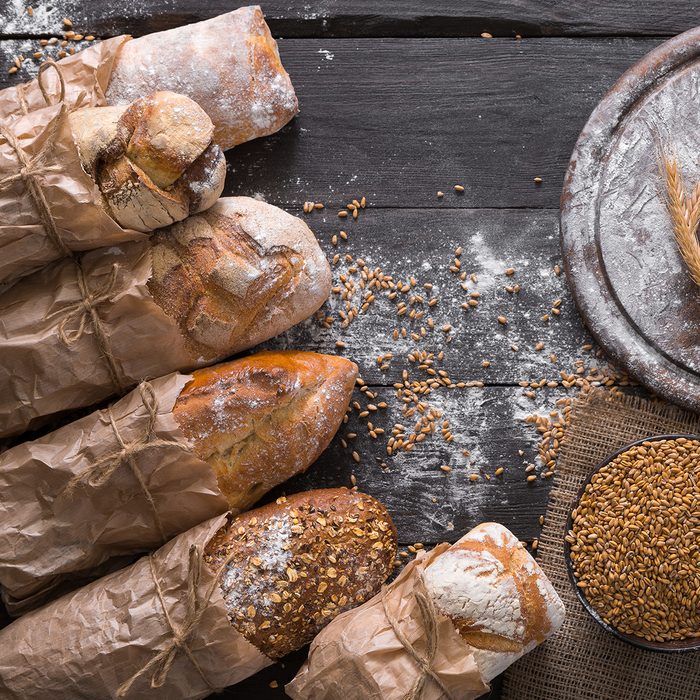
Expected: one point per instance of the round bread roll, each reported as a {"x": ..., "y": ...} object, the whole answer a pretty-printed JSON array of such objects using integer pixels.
[{"x": 153, "y": 160}]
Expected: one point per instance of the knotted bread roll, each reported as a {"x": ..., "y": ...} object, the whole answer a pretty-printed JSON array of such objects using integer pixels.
[{"x": 153, "y": 160}]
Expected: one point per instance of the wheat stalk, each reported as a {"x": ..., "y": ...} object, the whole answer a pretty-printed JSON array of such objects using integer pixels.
[{"x": 685, "y": 215}]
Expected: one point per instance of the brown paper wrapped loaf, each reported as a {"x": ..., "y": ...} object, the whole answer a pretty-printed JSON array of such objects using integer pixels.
[
  {"x": 262, "y": 419},
  {"x": 229, "y": 65},
  {"x": 153, "y": 160},
  {"x": 450, "y": 623},
  {"x": 216, "y": 440},
  {"x": 111, "y": 638},
  {"x": 295, "y": 564},
  {"x": 50, "y": 206},
  {"x": 199, "y": 291}
]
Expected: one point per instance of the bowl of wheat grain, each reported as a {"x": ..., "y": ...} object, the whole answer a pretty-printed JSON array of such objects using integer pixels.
[{"x": 632, "y": 543}]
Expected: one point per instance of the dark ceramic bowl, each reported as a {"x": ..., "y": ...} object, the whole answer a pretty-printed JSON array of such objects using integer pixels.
[{"x": 673, "y": 646}]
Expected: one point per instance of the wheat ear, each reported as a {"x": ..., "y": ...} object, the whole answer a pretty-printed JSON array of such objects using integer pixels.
[{"x": 685, "y": 215}]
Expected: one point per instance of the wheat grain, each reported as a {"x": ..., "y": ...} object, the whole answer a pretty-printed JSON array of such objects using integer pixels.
[{"x": 685, "y": 215}]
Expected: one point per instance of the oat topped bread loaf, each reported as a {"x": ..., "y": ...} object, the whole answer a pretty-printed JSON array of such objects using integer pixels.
[
  {"x": 263, "y": 418},
  {"x": 296, "y": 564}
]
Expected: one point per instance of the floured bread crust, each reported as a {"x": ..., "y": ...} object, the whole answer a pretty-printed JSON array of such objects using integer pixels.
[
  {"x": 237, "y": 274},
  {"x": 296, "y": 564},
  {"x": 497, "y": 596},
  {"x": 262, "y": 419},
  {"x": 229, "y": 65},
  {"x": 154, "y": 160}
]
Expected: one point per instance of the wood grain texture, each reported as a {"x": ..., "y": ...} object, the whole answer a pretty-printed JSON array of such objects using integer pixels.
[
  {"x": 404, "y": 118},
  {"x": 370, "y": 18}
]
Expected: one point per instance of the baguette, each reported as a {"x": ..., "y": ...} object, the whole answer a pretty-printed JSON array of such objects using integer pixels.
[
  {"x": 484, "y": 601},
  {"x": 192, "y": 294},
  {"x": 262, "y": 419},
  {"x": 153, "y": 160},
  {"x": 295, "y": 564},
  {"x": 168, "y": 627},
  {"x": 229, "y": 65}
]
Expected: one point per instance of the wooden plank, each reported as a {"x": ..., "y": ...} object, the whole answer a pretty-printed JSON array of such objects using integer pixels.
[
  {"x": 417, "y": 243},
  {"x": 400, "y": 119},
  {"x": 367, "y": 18}
]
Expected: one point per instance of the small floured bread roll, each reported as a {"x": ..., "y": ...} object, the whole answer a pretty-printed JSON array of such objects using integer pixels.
[
  {"x": 496, "y": 596},
  {"x": 154, "y": 160}
]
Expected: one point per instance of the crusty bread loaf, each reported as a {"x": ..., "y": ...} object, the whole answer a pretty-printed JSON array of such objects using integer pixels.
[
  {"x": 229, "y": 65},
  {"x": 483, "y": 602},
  {"x": 153, "y": 160},
  {"x": 237, "y": 274},
  {"x": 295, "y": 564},
  {"x": 496, "y": 595},
  {"x": 262, "y": 419}
]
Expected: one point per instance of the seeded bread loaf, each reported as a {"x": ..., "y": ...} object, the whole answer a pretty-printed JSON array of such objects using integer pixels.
[
  {"x": 262, "y": 419},
  {"x": 295, "y": 564},
  {"x": 229, "y": 65},
  {"x": 153, "y": 160}
]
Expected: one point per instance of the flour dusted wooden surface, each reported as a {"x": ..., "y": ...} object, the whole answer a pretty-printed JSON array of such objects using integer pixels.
[{"x": 398, "y": 101}]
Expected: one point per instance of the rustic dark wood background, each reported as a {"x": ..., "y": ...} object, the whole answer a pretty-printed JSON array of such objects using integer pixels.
[{"x": 400, "y": 100}]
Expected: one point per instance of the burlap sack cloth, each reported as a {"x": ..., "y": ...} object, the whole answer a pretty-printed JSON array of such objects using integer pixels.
[
  {"x": 81, "y": 331},
  {"x": 582, "y": 661},
  {"x": 49, "y": 206},
  {"x": 396, "y": 645},
  {"x": 117, "y": 482},
  {"x": 157, "y": 629}
]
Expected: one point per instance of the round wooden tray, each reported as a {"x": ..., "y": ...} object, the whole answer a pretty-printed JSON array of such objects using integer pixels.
[{"x": 627, "y": 277}]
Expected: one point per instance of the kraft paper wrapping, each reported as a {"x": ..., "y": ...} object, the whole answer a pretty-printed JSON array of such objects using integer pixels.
[
  {"x": 118, "y": 633},
  {"x": 59, "y": 352},
  {"x": 359, "y": 650},
  {"x": 49, "y": 206},
  {"x": 58, "y": 522}
]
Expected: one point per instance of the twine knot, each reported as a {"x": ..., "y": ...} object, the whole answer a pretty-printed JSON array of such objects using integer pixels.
[
  {"x": 99, "y": 472},
  {"x": 85, "y": 309},
  {"x": 424, "y": 662},
  {"x": 195, "y": 607},
  {"x": 28, "y": 170}
]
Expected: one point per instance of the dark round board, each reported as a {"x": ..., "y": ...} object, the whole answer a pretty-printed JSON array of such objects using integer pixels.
[{"x": 627, "y": 277}]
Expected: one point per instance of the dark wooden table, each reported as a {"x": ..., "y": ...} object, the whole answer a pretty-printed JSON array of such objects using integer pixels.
[{"x": 398, "y": 101}]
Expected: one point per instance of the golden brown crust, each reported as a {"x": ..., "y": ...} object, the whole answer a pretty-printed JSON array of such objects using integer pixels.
[
  {"x": 163, "y": 134},
  {"x": 262, "y": 419},
  {"x": 297, "y": 563},
  {"x": 237, "y": 274},
  {"x": 154, "y": 161}
]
